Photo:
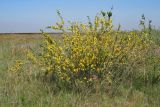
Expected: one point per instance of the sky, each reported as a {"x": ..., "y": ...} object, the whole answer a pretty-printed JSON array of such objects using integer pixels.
[{"x": 29, "y": 16}]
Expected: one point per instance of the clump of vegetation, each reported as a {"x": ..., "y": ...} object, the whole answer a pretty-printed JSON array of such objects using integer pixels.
[{"x": 93, "y": 53}]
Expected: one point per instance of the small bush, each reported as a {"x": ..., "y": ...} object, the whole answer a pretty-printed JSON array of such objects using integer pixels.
[{"x": 92, "y": 53}]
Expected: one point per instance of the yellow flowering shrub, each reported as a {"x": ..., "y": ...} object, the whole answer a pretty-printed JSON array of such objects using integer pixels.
[
  {"x": 90, "y": 52},
  {"x": 17, "y": 66}
]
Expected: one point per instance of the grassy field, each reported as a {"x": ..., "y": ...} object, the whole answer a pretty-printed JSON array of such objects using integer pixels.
[{"x": 25, "y": 90}]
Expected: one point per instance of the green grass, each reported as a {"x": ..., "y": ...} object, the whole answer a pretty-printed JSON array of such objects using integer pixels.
[{"x": 24, "y": 89}]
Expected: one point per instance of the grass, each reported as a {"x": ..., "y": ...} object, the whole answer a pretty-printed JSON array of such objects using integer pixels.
[{"x": 25, "y": 90}]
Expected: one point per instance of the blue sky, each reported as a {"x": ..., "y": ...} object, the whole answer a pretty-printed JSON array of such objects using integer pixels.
[{"x": 33, "y": 15}]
